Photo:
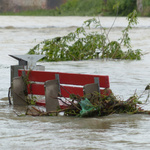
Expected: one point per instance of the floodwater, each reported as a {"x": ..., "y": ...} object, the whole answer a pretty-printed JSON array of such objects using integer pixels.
[{"x": 119, "y": 132}]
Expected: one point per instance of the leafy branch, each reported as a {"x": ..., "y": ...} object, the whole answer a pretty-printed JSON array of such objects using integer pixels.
[{"x": 83, "y": 44}]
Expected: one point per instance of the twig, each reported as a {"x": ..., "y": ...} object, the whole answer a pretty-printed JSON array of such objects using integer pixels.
[{"x": 112, "y": 24}]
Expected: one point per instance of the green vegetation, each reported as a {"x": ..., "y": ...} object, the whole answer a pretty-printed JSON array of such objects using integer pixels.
[
  {"x": 90, "y": 8},
  {"x": 85, "y": 8},
  {"x": 83, "y": 45},
  {"x": 97, "y": 105},
  {"x": 31, "y": 13},
  {"x": 30, "y": 99},
  {"x": 146, "y": 8}
]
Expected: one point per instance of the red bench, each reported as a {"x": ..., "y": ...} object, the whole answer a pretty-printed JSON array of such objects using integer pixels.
[{"x": 70, "y": 83}]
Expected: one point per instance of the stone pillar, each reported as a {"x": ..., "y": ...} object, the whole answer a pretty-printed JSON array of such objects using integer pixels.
[
  {"x": 19, "y": 87},
  {"x": 51, "y": 94},
  {"x": 139, "y": 6},
  {"x": 92, "y": 92}
]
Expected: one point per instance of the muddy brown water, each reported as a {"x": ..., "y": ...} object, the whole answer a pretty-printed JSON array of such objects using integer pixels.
[{"x": 19, "y": 34}]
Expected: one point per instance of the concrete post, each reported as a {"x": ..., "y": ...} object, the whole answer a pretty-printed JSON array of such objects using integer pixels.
[
  {"x": 91, "y": 92},
  {"x": 51, "y": 94},
  {"x": 19, "y": 97},
  {"x": 14, "y": 73}
]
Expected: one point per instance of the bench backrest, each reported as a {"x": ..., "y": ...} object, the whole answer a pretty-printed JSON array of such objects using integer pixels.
[{"x": 70, "y": 83}]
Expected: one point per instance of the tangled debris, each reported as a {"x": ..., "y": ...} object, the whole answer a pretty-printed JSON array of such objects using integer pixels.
[{"x": 96, "y": 105}]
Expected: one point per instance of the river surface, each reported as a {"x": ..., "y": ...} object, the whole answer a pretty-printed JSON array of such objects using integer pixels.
[{"x": 118, "y": 132}]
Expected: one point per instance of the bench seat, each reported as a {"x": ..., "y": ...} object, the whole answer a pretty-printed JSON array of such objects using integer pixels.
[{"x": 68, "y": 83}]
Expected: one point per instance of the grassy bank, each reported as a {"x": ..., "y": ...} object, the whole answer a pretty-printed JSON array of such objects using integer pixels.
[
  {"x": 146, "y": 8},
  {"x": 85, "y": 8},
  {"x": 90, "y": 8}
]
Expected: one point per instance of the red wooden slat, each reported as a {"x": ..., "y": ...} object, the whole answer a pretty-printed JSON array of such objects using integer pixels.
[
  {"x": 37, "y": 89},
  {"x": 68, "y": 78},
  {"x": 67, "y": 90},
  {"x": 82, "y": 79},
  {"x": 39, "y": 76}
]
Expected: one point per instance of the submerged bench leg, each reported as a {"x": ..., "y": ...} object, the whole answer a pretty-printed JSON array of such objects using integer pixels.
[
  {"x": 18, "y": 92},
  {"x": 91, "y": 92},
  {"x": 51, "y": 94}
]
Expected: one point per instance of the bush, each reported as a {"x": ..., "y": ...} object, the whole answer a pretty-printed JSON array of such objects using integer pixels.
[
  {"x": 86, "y": 8},
  {"x": 146, "y": 8},
  {"x": 96, "y": 7}
]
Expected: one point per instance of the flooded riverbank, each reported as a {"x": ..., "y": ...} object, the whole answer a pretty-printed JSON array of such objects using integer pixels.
[{"x": 19, "y": 34}]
